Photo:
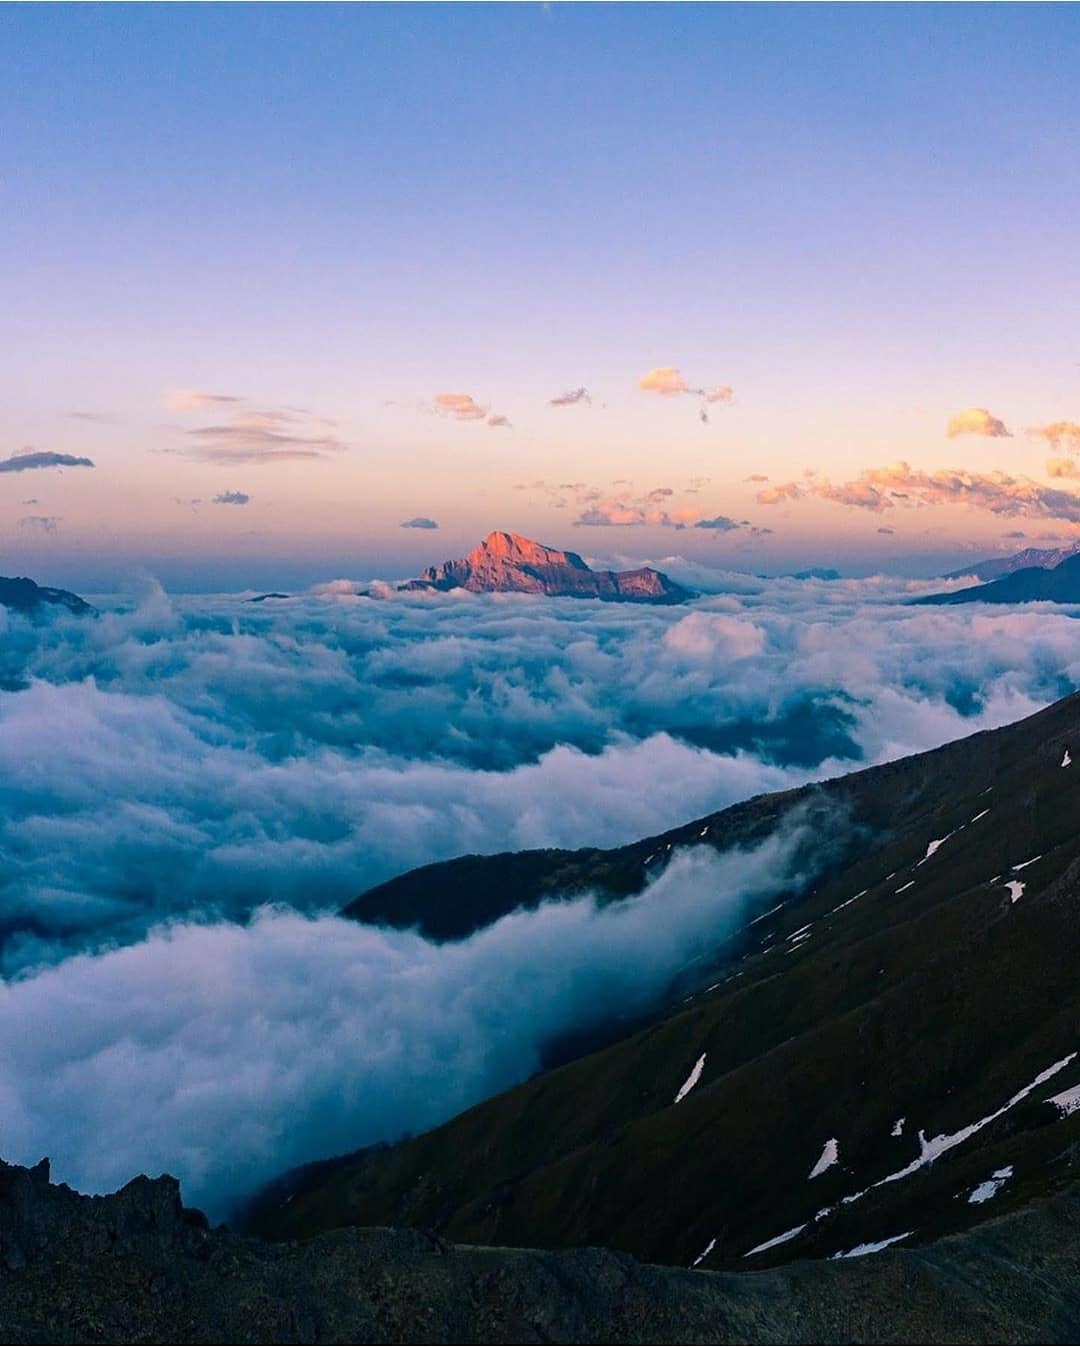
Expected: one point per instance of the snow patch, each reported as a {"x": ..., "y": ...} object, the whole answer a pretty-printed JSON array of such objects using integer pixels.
[
  {"x": 692, "y": 1079},
  {"x": 898, "y": 1127},
  {"x": 933, "y": 1148},
  {"x": 990, "y": 1187},
  {"x": 860, "y": 1250},
  {"x": 1024, "y": 864},
  {"x": 979, "y": 816},
  {"x": 848, "y": 901},
  {"x": 704, "y": 1253},
  {"x": 777, "y": 1239},
  {"x": 1066, "y": 761},
  {"x": 904, "y": 887},
  {"x": 1068, "y": 1101},
  {"x": 1016, "y": 889},
  {"x": 827, "y": 1159}
]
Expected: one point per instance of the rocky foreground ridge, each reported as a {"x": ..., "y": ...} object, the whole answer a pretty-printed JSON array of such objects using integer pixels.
[
  {"x": 24, "y": 596},
  {"x": 137, "y": 1266},
  {"x": 508, "y": 563}
]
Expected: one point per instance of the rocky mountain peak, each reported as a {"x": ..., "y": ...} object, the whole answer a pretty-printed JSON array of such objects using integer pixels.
[{"x": 510, "y": 563}]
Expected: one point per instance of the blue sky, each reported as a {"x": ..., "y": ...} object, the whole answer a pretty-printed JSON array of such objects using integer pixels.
[{"x": 861, "y": 219}]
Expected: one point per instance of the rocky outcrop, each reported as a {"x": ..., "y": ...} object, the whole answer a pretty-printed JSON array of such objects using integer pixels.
[
  {"x": 24, "y": 596},
  {"x": 137, "y": 1266},
  {"x": 509, "y": 563}
]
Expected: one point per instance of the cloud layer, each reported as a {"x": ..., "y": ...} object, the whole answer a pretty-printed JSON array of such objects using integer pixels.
[
  {"x": 200, "y": 758},
  {"x": 170, "y": 769},
  {"x": 226, "y": 1054}
]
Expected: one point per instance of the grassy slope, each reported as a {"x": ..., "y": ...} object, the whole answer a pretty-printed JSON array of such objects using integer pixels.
[{"x": 937, "y": 1004}]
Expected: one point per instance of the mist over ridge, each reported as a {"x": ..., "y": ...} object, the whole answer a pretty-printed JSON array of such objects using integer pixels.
[{"x": 200, "y": 758}]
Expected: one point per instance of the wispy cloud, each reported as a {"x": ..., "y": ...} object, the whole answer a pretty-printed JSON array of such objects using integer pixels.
[
  {"x": 28, "y": 460},
  {"x": 232, "y": 498},
  {"x": 1059, "y": 435},
  {"x": 39, "y": 523},
  {"x": 880, "y": 489},
  {"x": 721, "y": 523},
  {"x": 976, "y": 421},
  {"x": 460, "y": 406},
  {"x": 570, "y": 399},
  {"x": 774, "y": 495},
  {"x": 261, "y": 437},
  {"x": 464, "y": 407},
  {"x": 667, "y": 381},
  {"x": 420, "y": 522},
  {"x": 194, "y": 400}
]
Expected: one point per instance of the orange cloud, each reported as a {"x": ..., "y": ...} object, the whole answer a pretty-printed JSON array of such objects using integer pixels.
[
  {"x": 773, "y": 495},
  {"x": 976, "y": 421},
  {"x": 461, "y": 406},
  {"x": 665, "y": 380},
  {"x": 1061, "y": 467},
  {"x": 1059, "y": 435},
  {"x": 668, "y": 381},
  {"x": 879, "y": 489}
]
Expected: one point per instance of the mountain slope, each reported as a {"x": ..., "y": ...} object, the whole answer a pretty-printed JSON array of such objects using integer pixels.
[
  {"x": 24, "y": 596},
  {"x": 509, "y": 563},
  {"x": 1059, "y": 585},
  {"x": 995, "y": 567},
  {"x": 916, "y": 988},
  {"x": 137, "y": 1267}
]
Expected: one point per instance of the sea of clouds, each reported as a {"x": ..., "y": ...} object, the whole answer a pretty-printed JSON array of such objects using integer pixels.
[{"x": 175, "y": 766}]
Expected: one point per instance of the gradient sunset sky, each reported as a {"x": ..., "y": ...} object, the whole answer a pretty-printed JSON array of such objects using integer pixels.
[{"x": 292, "y": 277}]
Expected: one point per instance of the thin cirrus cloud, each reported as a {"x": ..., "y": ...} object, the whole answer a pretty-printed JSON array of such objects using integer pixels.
[
  {"x": 571, "y": 398},
  {"x": 194, "y": 400},
  {"x": 29, "y": 460},
  {"x": 977, "y": 421},
  {"x": 232, "y": 498},
  {"x": 880, "y": 489},
  {"x": 1059, "y": 435},
  {"x": 420, "y": 522},
  {"x": 259, "y": 437}
]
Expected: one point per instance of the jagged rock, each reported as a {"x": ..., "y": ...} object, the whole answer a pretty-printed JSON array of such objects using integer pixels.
[
  {"x": 24, "y": 596},
  {"x": 509, "y": 563},
  {"x": 137, "y": 1267}
]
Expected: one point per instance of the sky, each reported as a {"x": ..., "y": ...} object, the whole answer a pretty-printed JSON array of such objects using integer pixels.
[{"x": 757, "y": 286}]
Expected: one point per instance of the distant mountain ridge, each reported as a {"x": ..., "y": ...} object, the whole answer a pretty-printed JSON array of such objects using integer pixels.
[
  {"x": 995, "y": 567},
  {"x": 1060, "y": 584},
  {"x": 24, "y": 596},
  {"x": 508, "y": 563}
]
